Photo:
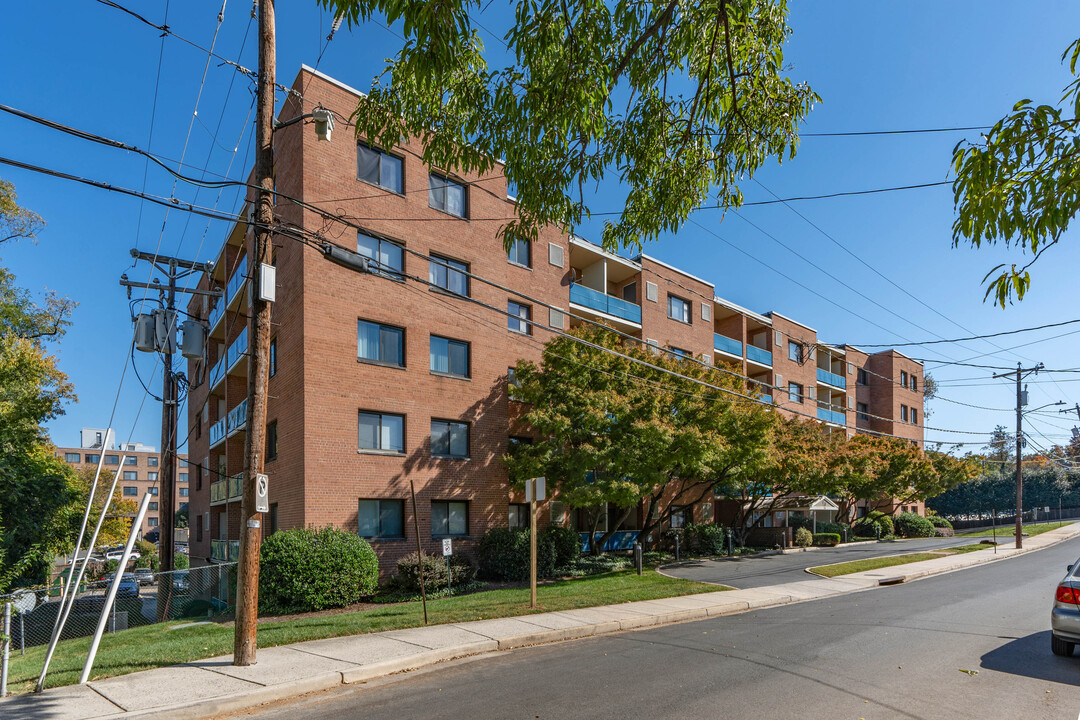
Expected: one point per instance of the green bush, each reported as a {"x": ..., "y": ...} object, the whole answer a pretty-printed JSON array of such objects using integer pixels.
[
  {"x": 111, "y": 566},
  {"x": 566, "y": 541},
  {"x": 800, "y": 521},
  {"x": 503, "y": 554},
  {"x": 834, "y": 528},
  {"x": 912, "y": 525},
  {"x": 182, "y": 561},
  {"x": 462, "y": 572},
  {"x": 944, "y": 532},
  {"x": 305, "y": 569},
  {"x": 803, "y": 537},
  {"x": 938, "y": 521},
  {"x": 865, "y": 527},
  {"x": 704, "y": 538},
  {"x": 827, "y": 539}
]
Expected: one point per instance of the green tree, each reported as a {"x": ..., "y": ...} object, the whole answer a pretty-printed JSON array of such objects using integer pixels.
[
  {"x": 681, "y": 101},
  {"x": 1021, "y": 186},
  {"x": 118, "y": 516}
]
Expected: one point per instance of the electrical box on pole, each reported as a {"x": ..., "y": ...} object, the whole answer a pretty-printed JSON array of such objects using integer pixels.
[
  {"x": 267, "y": 282},
  {"x": 145, "y": 334},
  {"x": 194, "y": 341}
]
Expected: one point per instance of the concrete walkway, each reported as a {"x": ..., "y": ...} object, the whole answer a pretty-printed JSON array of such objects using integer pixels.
[{"x": 209, "y": 687}]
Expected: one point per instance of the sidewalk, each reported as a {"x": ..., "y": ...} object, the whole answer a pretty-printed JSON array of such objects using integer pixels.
[{"x": 209, "y": 687}]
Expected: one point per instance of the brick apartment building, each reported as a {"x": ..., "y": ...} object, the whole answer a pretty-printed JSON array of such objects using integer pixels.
[
  {"x": 137, "y": 476},
  {"x": 379, "y": 380}
]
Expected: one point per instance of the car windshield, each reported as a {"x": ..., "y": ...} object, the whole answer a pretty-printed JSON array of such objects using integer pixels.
[{"x": 128, "y": 577}]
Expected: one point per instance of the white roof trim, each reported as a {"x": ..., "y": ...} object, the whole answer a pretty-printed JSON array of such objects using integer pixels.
[
  {"x": 791, "y": 320},
  {"x": 740, "y": 309},
  {"x": 823, "y": 503},
  {"x": 332, "y": 81},
  {"x": 673, "y": 269},
  {"x": 583, "y": 243}
]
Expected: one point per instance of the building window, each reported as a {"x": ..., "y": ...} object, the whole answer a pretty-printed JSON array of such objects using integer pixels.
[
  {"x": 152, "y": 522},
  {"x": 681, "y": 515},
  {"x": 795, "y": 392},
  {"x": 914, "y": 416},
  {"x": 629, "y": 292},
  {"x": 449, "y": 518},
  {"x": 903, "y": 378},
  {"x": 112, "y": 459},
  {"x": 864, "y": 411},
  {"x": 388, "y": 257},
  {"x": 378, "y": 168},
  {"x": 273, "y": 357},
  {"x": 517, "y": 440},
  {"x": 131, "y": 491},
  {"x": 72, "y": 457},
  {"x": 182, "y": 477},
  {"x": 153, "y": 491},
  {"x": 93, "y": 458},
  {"x": 914, "y": 383},
  {"x": 181, "y": 463},
  {"x": 446, "y": 195},
  {"x": 794, "y": 351},
  {"x": 183, "y": 492},
  {"x": 381, "y": 518},
  {"x": 152, "y": 461},
  {"x": 520, "y": 253},
  {"x": 198, "y": 528},
  {"x": 152, "y": 507},
  {"x": 449, "y": 275},
  {"x": 512, "y": 383},
  {"x": 518, "y": 317},
  {"x": 519, "y": 515},
  {"x": 382, "y": 431},
  {"x": 152, "y": 476},
  {"x": 449, "y": 357},
  {"x": 449, "y": 439},
  {"x": 134, "y": 459},
  {"x": 131, "y": 475},
  {"x": 679, "y": 352},
  {"x": 380, "y": 343},
  {"x": 273, "y": 518},
  {"x": 678, "y": 309},
  {"x": 271, "y": 441},
  {"x": 903, "y": 413},
  {"x": 860, "y": 377}
]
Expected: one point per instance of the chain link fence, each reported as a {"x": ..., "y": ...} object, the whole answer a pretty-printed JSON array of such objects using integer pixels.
[{"x": 143, "y": 598}]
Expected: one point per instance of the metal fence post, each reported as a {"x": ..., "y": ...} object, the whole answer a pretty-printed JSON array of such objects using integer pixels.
[
  {"x": 637, "y": 556},
  {"x": 7, "y": 650}
]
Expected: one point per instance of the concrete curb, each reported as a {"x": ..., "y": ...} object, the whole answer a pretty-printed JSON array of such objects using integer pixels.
[{"x": 427, "y": 646}]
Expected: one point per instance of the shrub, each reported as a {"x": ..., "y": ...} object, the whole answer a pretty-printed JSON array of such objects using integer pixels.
[
  {"x": 885, "y": 522},
  {"x": 939, "y": 522},
  {"x": 803, "y": 537},
  {"x": 834, "y": 528},
  {"x": 704, "y": 538},
  {"x": 306, "y": 569},
  {"x": 800, "y": 521},
  {"x": 503, "y": 554},
  {"x": 826, "y": 539},
  {"x": 943, "y": 532},
  {"x": 182, "y": 561},
  {"x": 112, "y": 566},
  {"x": 912, "y": 525},
  {"x": 462, "y": 572},
  {"x": 873, "y": 525},
  {"x": 566, "y": 542}
]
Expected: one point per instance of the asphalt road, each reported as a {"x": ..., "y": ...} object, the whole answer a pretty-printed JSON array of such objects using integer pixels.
[
  {"x": 968, "y": 644},
  {"x": 751, "y": 572}
]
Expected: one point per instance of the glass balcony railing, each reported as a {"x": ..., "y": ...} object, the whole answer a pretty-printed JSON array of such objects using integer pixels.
[
  {"x": 756, "y": 354},
  {"x": 831, "y": 416},
  {"x": 238, "y": 348},
  {"x": 237, "y": 417},
  {"x": 726, "y": 344},
  {"x": 216, "y": 313},
  {"x": 767, "y": 399},
  {"x": 830, "y": 378},
  {"x": 218, "y": 492},
  {"x": 217, "y": 372},
  {"x": 236, "y": 486},
  {"x": 234, "y": 550},
  {"x": 235, "y": 283},
  {"x": 219, "y": 550},
  {"x": 596, "y": 300},
  {"x": 217, "y": 432}
]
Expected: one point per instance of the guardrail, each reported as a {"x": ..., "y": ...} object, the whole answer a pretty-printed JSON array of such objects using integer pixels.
[
  {"x": 219, "y": 492},
  {"x": 236, "y": 486},
  {"x": 237, "y": 417},
  {"x": 832, "y": 416},
  {"x": 237, "y": 349},
  {"x": 596, "y": 300},
  {"x": 756, "y": 354},
  {"x": 217, "y": 432}
]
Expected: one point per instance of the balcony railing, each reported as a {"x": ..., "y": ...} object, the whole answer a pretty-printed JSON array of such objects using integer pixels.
[
  {"x": 219, "y": 550},
  {"x": 238, "y": 348},
  {"x": 831, "y": 416},
  {"x": 596, "y": 300},
  {"x": 219, "y": 492},
  {"x": 217, "y": 432},
  {"x": 217, "y": 372},
  {"x": 234, "y": 550},
  {"x": 726, "y": 344},
  {"x": 216, "y": 313},
  {"x": 767, "y": 399},
  {"x": 829, "y": 378},
  {"x": 237, "y": 417},
  {"x": 756, "y": 354},
  {"x": 236, "y": 486},
  {"x": 235, "y": 283}
]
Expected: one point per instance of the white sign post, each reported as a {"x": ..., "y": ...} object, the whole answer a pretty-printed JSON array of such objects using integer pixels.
[
  {"x": 447, "y": 551},
  {"x": 534, "y": 491}
]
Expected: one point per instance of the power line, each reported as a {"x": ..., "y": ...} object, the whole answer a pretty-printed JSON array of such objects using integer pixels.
[{"x": 971, "y": 337}]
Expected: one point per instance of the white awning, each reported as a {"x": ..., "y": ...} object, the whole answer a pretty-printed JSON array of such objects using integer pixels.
[{"x": 822, "y": 502}]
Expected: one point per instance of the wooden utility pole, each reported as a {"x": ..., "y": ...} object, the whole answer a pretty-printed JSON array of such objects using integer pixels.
[
  {"x": 247, "y": 586},
  {"x": 1019, "y": 373}
]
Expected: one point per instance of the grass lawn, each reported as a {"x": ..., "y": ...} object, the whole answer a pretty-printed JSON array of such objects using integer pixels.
[
  {"x": 154, "y": 646},
  {"x": 883, "y": 562},
  {"x": 1007, "y": 531}
]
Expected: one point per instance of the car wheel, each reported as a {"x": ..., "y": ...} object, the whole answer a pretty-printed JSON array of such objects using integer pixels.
[{"x": 1061, "y": 647}]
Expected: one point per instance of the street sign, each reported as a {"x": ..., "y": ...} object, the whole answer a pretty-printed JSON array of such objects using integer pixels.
[
  {"x": 538, "y": 484},
  {"x": 447, "y": 547},
  {"x": 262, "y": 496},
  {"x": 1046, "y": 509}
]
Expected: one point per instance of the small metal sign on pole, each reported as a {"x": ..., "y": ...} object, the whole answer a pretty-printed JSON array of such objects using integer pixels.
[
  {"x": 447, "y": 551},
  {"x": 534, "y": 491},
  {"x": 262, "y": 493}
]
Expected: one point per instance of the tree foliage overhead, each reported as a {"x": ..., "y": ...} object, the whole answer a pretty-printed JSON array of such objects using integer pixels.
[
  {"x": 1021, "y": 186},
  {"x": 680, "y": 101}
]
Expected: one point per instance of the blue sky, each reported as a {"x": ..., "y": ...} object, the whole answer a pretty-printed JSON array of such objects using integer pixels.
[{"x": 877, "y": 66}]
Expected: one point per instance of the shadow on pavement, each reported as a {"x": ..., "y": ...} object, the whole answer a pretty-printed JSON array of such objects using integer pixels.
[{"x": 1031, "y": 657}]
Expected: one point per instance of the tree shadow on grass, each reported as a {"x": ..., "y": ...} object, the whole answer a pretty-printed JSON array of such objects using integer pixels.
[{"x": 1030, "y": 656}]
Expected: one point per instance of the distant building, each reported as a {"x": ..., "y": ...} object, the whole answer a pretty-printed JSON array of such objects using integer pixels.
[{"x": 137, "y": 476}]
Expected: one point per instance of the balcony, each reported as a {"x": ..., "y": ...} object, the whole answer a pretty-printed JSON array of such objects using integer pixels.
[
  {"x": 767, "y": 399},
  {"x": 219, "y": 550},
  {"x": 725, "y": 344},
  {"x": 219, "y": 492},
  {"x": 236, "y": 486},
  {"x": 759, "y": 356},
  {"x": 237, "y": 417},
  {"x": 217, "y": 372},
  {"x": 235, "y": 283},
  {"x": 831, "y": 416},
  {"x": 824, "y": 376},
  {"x": 237, "y": 350},
  {"x": 217, "y": 432},
  {"x": 234, "y": 550},
  {"x": 217, "y": 313},
  {"x": 596, "y": 300}
]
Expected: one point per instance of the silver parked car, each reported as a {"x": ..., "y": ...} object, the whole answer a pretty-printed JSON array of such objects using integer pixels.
[{"x": 1065, "y": 617}]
